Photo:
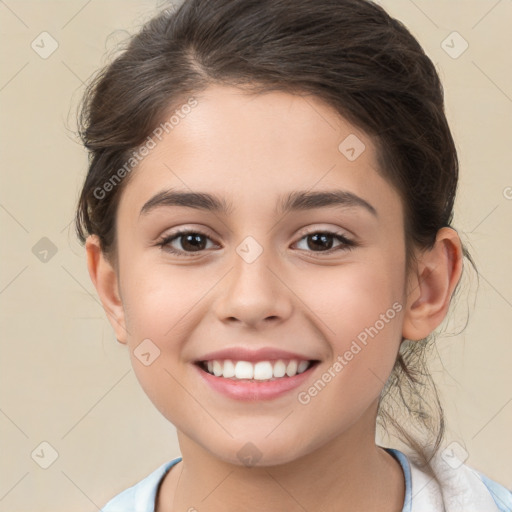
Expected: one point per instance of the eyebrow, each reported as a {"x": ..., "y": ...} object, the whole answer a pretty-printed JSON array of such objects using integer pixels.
[{"x": 294, "y": 201}]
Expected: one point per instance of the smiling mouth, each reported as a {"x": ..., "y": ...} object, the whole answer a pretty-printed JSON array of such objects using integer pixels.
[{"x": 261, "y": 371}]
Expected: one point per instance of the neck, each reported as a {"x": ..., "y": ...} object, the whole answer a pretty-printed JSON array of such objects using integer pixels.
[{"x": 348, "y": 473}]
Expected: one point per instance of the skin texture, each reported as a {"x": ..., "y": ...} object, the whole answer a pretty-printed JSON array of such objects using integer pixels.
[{"x": 250, "y": 150}]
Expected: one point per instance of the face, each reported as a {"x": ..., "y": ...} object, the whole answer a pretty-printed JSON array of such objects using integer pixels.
[{"x": 321, "y": 282}]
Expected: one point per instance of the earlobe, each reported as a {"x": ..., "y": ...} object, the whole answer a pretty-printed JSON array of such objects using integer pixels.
[
  {"x": 105, "y": 280},
  {"x": 431, "y": 287}
]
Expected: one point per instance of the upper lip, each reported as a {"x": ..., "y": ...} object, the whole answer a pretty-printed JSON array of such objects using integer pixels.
[{"x": 254, "y": 355}]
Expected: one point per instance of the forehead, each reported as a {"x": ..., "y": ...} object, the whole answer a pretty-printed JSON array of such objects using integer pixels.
[{"x": 253, "y": 148}]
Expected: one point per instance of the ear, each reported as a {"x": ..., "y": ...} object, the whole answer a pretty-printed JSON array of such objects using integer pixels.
[
  {"x": 430, "y": 288},
  {"x": 105, "y": 280}
]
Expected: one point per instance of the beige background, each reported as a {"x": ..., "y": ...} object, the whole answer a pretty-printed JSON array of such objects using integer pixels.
[{"x": 66, "y": 381}]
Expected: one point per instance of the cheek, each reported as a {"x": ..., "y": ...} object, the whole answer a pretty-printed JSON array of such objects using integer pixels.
[
  {"x": 156, "y": 300},
  {"x": 352, "y": 298},
  {"x": 162, "y": 304},
  {"x": 361, "y": 311}
]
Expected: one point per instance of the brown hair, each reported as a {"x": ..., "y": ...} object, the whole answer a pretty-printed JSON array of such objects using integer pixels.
[{"x": 349, "y": 53}]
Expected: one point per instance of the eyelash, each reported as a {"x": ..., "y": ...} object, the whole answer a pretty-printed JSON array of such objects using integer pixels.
[{"x": 347, "y": 244}]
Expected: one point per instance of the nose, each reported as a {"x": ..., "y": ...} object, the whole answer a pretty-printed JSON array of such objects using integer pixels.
[{"x": 254, "y": 294}]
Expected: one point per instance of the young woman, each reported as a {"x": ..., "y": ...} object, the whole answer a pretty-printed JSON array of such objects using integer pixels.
[{"x": 267, "y": 219}]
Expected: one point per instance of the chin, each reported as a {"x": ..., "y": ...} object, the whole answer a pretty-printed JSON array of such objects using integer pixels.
[{"x": 256, "y": 451}]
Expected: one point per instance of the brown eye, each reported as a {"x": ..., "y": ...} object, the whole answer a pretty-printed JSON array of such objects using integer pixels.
[
  {"x": 190, "y": 241},
  {"x": 322, "y": 241}
]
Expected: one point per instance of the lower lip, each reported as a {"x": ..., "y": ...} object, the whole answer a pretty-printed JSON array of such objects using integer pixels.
[{"x": 252, "y": 391}]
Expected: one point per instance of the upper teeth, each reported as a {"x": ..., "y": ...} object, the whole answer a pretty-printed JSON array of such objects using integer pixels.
[{"x": 262, "y": 370}]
